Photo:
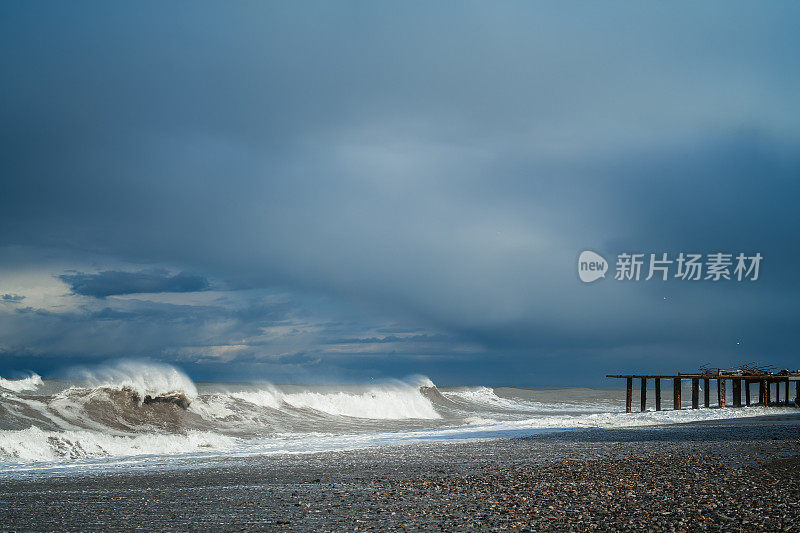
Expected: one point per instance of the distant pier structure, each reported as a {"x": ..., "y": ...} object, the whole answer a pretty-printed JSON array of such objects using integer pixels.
[{"x": 747, "y": 375}]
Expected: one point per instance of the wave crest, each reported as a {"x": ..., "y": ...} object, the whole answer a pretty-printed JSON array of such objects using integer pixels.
[
  {"x": 375, "y": 404},
  {"x": 32, "y": 382},
  {"x": 145, "y": 379},
  {"x": 35, "y": 444},
  {"x": 394, "y": 401}
]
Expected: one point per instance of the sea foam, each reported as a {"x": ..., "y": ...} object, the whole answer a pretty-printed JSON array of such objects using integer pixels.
[
  {"x": 32, "y": 382},
  {"x": 144, "y": 378}
]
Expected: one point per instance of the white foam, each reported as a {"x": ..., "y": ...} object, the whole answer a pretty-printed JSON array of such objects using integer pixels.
[
  {"x": 627, "y": 420},
  {"x": 48, "y": 412},
  {"x": 143, "y": 378},
  {"x": 394, "y": 401},
  {"x": 486, "y": 397},
  {"x": 270, "y": 397},
  {"x": 34, "y": 444},
  {"x": 32, "y": 382},
  {"x": 419, "y": 380},
  {"x": 389, "y": 403},
  {"x": 212, "y": 407},
  {"x": 79, "y": 425}
]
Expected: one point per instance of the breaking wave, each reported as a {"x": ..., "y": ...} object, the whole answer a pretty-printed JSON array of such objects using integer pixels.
[
  {"x": 145, "y": 379},
  {"x": 134, "y": 409},
  {"x": 35, "y": 444},
  {"x": 19, "y": 385},
  {"x": 397, "y": 402}
]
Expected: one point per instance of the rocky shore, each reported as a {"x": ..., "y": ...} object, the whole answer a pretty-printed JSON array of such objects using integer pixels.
[{"x": 730, "y": 476}]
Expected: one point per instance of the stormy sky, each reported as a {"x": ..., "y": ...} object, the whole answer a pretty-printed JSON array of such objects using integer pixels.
[{"x": 347, "y": 191}]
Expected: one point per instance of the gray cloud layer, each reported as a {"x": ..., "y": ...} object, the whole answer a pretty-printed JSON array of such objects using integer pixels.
[
  {"x": 438, "y": 168},
  {"x": 111, "y": 282}
]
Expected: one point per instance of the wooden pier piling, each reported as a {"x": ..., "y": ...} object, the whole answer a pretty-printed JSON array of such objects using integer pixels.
[
  {"x": 738, "y": 377},
  {"x": 658, "y": 393},
  {"x": 737, "y": 392},
  {"x": 629, "y": 395},
  {"x": 643, "y": 391}
]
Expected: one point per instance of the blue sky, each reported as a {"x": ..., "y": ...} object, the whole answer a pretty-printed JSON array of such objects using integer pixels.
[{"x": 359, "y": 190}]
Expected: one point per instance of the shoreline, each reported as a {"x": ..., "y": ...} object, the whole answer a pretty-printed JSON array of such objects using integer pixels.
[
  {"x": 718, "y": 474},
  {"x": 198, "y": 460}
]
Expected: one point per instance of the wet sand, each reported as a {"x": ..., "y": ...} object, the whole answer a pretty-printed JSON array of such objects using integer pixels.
[{"x": 726, "y": 475}]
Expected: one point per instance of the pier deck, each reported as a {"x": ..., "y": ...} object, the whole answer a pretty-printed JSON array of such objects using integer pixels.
[{"x": 765, "y": 383}]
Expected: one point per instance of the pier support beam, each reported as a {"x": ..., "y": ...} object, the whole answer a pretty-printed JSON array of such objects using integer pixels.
[
  {"x": 628, "y": 394},
  {"x": 747, "y": 377},
  {"x": 643, "y": 390},
  {"x": 658, "y": 393}
]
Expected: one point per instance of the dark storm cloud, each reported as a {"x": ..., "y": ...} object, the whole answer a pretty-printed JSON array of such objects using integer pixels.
[
  {"x": 281, "y": 340},
  {"x": 12, "y": 298},
  {"x": 111, "y": 282},
  {"x": 442, "y": 167}
]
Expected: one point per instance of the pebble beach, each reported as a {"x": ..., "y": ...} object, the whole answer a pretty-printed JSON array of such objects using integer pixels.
[{"x": 734, "y": 475}]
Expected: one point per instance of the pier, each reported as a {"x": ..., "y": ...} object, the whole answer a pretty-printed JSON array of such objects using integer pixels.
[{"x": 743, "y": 377}]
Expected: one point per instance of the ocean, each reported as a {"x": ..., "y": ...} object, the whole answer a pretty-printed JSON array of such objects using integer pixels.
[{"x": 136, "y": 415}]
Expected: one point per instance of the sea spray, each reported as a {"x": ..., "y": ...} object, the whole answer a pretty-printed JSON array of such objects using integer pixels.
[
  {"x": 29, "y": 383},
  {"x": 144, "y": 378},
  {"x": 107, "y": 415},
  {"x": 34, "y": 444}
]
